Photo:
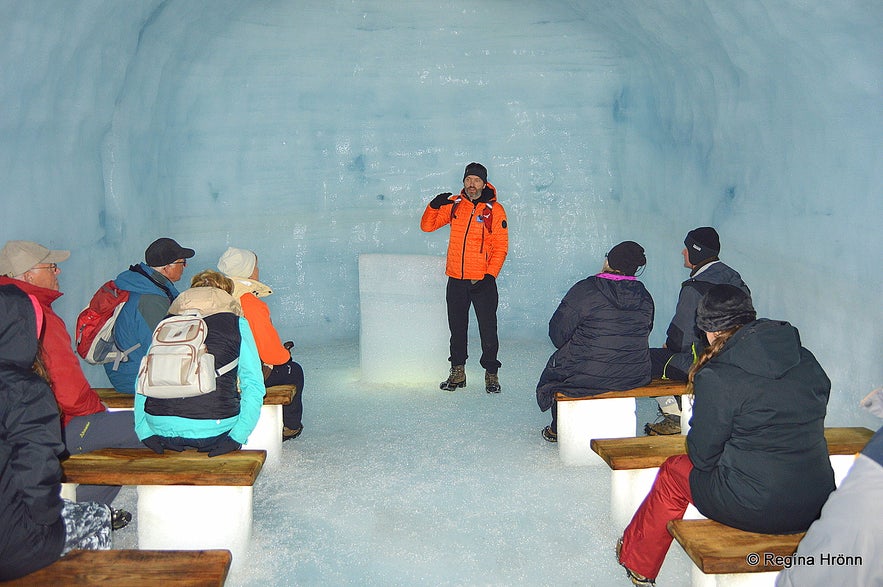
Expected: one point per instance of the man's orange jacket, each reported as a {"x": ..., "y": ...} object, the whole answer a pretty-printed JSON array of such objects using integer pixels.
[{"x": 479, "y": 239}]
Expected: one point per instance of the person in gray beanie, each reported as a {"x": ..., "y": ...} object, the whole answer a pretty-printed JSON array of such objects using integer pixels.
[
  {"x": 683, "y": 341},
  {"x": 756, "y": 458}
]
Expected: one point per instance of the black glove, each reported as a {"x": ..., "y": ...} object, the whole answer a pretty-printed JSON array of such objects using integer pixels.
[
  {"x": 489, "y": 276},
  {"x": 154, "y": 444},
  {"x": 440, "y": 200},
  {"x": 222, "y": 446}
]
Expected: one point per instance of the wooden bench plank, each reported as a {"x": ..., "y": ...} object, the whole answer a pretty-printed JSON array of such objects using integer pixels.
[
  {"x": 655, "y": 388},
  {"x": 134, "y": 568},
  {"x": 716, "y": 548},
  {"x": 645, "y": 452},
  {"x": 142, "y": 466},
  {"x": 277, "y": 395}
]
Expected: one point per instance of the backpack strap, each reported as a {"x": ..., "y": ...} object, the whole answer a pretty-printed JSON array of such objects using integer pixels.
[
  {"x": 124, "y": 356},
  {"x": 159, "y": 284},
  {"x": 228, "y": 367}
]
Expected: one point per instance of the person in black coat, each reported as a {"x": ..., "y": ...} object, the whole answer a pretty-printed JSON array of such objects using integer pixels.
[
  {"x": 37, "y": 525},
  {"x": 600, "y": 330},
  {"x": 756, "y": 457}
]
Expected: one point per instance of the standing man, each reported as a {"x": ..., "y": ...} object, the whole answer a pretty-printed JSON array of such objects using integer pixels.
[
  {"x": 151, "y": 291},
  {"x": 684, "y": 342},
  {"x": 477, "y": 248},
  {"x": 85, "y": 422}
]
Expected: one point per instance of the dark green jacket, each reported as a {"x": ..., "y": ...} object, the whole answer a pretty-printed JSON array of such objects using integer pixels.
[{"x": 756, "y": 438}]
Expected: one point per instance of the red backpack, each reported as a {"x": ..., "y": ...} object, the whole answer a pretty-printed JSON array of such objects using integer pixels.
[{"x": 94, "y": 334}]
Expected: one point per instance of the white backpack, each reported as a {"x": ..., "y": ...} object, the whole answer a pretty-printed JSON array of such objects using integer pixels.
[{"x": 177, "y": 364}]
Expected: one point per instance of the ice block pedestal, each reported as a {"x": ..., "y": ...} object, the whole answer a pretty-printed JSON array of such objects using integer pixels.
[{"x": 404, "y": 327}]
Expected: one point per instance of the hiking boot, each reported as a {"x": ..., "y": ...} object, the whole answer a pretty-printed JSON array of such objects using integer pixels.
[
  {"x": 548, "y": 435},
  {"x": 119, "y": 519},
  {"x": 456, "y": 379},
  {"x": 491, "y": 382},
  {"x": 290, "y": 433},
  {"x": 668, "y": 425},
  {"x": 636, "y": 578}
]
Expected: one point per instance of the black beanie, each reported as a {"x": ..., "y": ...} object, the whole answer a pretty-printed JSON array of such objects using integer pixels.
[
  {"x": 626, "y": 257},
  {"x": 476, "y": 169},
  {"x": 702, "y": 244},
  {"x": 725, "y": 306}
]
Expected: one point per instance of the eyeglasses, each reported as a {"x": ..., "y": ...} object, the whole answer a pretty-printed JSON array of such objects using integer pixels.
[
  {"x": 51, "y": 267},
  {"x": 182, "y": 262}
]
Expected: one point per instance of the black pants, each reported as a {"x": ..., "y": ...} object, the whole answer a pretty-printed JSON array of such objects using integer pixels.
[
  {"x": 483, "y": 296},
  {"x": 289, "y": 373}
]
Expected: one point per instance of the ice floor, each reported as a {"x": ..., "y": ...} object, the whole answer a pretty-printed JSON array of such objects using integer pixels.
[{"x": 415, "y": 486}]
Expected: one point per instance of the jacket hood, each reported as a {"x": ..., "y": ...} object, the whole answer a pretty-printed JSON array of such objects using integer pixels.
[
  {"x": 135, "y": 282},
  {"x": 623, "y": 294},
  {"x": 767, "y": 348},
  {"x": 242, "y": 286},
  {"x": 207, "y": 300},
  {"x": 18, "y": 328}
]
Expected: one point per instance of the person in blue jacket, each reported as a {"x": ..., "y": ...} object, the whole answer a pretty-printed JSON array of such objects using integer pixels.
[
  {"x": 220, "y": 421},
  {"x": 600, "y": 331},
  {"x": 151, "y": 287}
]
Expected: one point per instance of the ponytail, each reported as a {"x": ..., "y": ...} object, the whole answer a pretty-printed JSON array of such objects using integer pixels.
[{"x": 710, "y": 352}]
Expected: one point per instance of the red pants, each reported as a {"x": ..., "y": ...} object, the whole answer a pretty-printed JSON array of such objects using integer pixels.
[{"x": 646, "y": 539}]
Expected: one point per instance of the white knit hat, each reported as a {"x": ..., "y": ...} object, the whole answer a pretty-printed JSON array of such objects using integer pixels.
[{"x": 237, "y": 262}]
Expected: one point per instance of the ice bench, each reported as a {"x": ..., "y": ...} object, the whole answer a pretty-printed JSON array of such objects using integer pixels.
[
  {"x": 267, "y": 435},
  {"x": 186, "y": 500},
  {"x": 606, "y": 415},
  {"x": 726, "y": 556},
  {"x": 635, "y": 462},
  {"x": 133, "y": 568}
]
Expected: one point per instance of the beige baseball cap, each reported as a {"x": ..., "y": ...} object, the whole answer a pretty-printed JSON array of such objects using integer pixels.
[{"x": 17, "y": 257}]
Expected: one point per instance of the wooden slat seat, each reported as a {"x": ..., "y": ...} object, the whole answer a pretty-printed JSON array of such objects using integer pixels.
[
  {"x": 133, "y": 568},
  {"x": 142, "y": 466},
  {"x": 277, "y": 395},
  {"x": 606, "y": 415},
  {"x": 656, "y": 388},
  {"x": 719, "y": 549},
  {"x": 645, "y": 452}
]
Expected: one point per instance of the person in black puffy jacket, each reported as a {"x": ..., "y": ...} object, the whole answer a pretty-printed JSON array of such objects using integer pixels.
[
  {"x": 757, "y": 459},
  {"x": 600, "y": 330},
  {"x": 38, "y": 525}
]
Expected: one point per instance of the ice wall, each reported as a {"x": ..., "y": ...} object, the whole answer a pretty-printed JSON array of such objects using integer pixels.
[{"x": 315, "y": 131}]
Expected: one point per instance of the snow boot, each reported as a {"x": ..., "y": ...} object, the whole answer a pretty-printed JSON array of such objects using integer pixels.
[
  {"x": 456, "y": 379},
  {"x": 491, "y": 382}
]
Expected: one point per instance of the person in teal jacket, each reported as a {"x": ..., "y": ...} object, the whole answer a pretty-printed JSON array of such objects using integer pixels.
[
  {"x": 151, "y": 287},
  {"x": 222, "y": 420}
]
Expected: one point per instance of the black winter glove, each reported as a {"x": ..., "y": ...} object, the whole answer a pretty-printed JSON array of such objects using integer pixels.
[
  {"x": 440, "y": 200},
  {"x": 154, "y": 444},
  {"x": 223, "y": 445}
]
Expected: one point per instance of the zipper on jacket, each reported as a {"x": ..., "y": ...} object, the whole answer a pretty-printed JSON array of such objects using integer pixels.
[{"x": 465, "y": 235}]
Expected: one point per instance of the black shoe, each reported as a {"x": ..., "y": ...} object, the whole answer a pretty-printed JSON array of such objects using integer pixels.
[
  {"x": 548, "y": 435},
  {"x": 119, "y": 519}
]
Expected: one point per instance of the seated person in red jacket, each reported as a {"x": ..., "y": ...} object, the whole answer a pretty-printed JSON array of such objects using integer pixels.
[
  {"x": 38, "y": 525},
  {"x": 86, "y": 424},
  {"x": 757, "y": 459},
  {"x": 241, "y": 266}
]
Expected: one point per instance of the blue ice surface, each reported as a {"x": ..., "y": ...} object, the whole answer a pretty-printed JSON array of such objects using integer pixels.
[{"x": 315, "y": 131}]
